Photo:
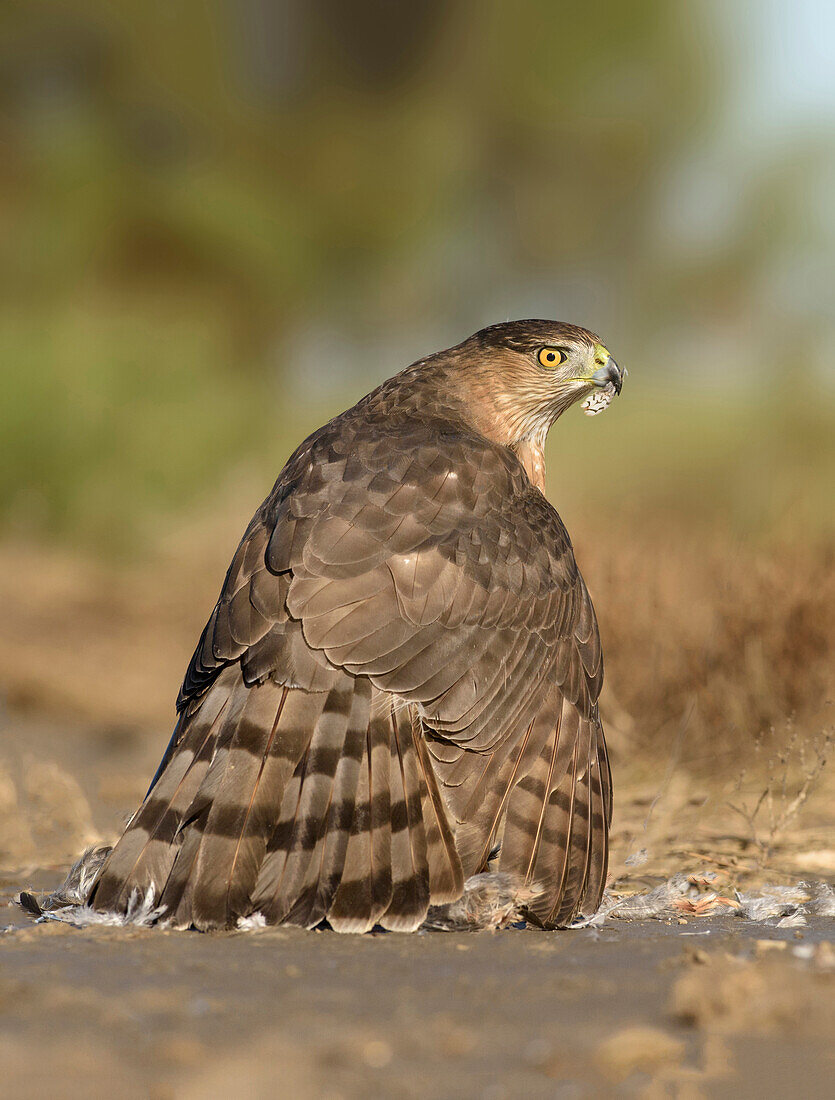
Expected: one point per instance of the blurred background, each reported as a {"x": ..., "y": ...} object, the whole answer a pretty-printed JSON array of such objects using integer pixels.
[{"x": 221, "y": 222}]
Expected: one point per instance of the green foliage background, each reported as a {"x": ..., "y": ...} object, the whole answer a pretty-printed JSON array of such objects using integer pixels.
[{"x": 191, "y": 192}]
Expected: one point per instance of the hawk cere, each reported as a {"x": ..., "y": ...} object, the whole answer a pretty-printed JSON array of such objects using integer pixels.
[{"x": 400, "y": 678}]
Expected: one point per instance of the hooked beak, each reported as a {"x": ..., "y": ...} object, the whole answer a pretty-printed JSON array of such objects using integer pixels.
[{"x": 609, "y": 372}]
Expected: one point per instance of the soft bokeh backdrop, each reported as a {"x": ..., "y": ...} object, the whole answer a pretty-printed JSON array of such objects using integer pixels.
[{"x": 221, "y": 222}]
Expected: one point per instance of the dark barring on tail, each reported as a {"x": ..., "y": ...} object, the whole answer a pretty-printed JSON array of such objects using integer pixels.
[{"x": 402, "y": 671}]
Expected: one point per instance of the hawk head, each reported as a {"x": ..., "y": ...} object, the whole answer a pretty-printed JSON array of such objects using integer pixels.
[{"x": 522, "y": 375}]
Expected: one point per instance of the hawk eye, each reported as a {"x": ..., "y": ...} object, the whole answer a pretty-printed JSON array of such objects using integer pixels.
[{"x": 551, "y": 357}]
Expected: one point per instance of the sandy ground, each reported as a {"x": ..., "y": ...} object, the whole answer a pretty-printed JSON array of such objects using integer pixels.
[
  {"x": 631, "y": 1010},
  {"x": 716, "y": 1006}
]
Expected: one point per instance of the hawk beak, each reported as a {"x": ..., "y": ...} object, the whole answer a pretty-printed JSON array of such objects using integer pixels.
[{"x": 609, "y": 372}]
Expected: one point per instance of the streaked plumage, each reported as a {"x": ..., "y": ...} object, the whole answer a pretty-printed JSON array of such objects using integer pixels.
[{"x": 401, "y": 672}]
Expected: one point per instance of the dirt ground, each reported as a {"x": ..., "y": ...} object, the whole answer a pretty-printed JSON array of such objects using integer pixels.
[
  {"x": 687, "y": 1006},
  {"x": 632, "y": 1010},
  {"x": 692, "y": 1006}
]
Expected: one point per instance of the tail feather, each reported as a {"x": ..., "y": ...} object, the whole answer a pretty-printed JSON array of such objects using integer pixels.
[
  {"x": 525, "y": 821},
  {"x": 287, "y": 881},
  {"x": 225, "y": 805},
  {"x": 272, "y": 733},
  {"x": 339, "y": 817},
  {"x": 380, "y": 807},
  {"x": 365, "y": 890},
  {"x": 556, "y": 826},
  {"x": 580, "y": 837},
  {"x": 479, "y": 793},
  {"x": 178, "y": 890},
  {"x": 143, "y": 857},
  {"x": 226, "y": 831},
  {"x": 600, "y": 820},
  {"x": 551, "y": 864},
  {"x": 179, "y": 893},
  {"x": 409, "y": 861},
  {"x": 605, "y": 775},
  {"x": 446, "y": 872},
  {"x": 339, "y": 805}
]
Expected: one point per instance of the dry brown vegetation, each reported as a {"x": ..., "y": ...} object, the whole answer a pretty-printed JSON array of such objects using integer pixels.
[
  {"x": 720, "y": 660},
  {"x": 711, "y": 642}
]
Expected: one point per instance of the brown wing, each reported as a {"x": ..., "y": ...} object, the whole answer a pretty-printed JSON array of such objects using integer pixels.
[{"x": 421, "y": 557}]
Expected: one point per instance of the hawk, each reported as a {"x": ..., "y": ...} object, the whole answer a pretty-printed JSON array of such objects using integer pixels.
[{"x": 400, "y": 678}]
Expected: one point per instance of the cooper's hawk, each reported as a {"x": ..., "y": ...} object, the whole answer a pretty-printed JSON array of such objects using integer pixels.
[{"x": 401, "y": 674}]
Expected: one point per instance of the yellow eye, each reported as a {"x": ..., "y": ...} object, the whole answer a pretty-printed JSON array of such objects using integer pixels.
[{"x": 551, "y": 357}]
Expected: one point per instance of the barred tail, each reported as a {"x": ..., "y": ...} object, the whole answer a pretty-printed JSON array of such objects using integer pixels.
[
  {"x": 299, "y": 806},
  {"x": 558, "y": 817}
]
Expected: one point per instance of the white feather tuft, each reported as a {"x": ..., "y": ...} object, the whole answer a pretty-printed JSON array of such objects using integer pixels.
[
  {"x": 140, "y": 913},
  {"x": 252, "y": 923}
]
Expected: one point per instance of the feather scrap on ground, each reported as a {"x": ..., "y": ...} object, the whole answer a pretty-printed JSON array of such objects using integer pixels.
[
  {"x": 490, "y": 901},
  {"x": 683, "y": 895}
]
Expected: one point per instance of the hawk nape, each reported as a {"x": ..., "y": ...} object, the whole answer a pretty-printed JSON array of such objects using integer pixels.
[{"x": 402, "y": 671}]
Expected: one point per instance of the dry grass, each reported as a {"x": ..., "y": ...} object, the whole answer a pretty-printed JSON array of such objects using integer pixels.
[
  {"x": 712, "y": 644},
  {"x": 793, "y": 774}
]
